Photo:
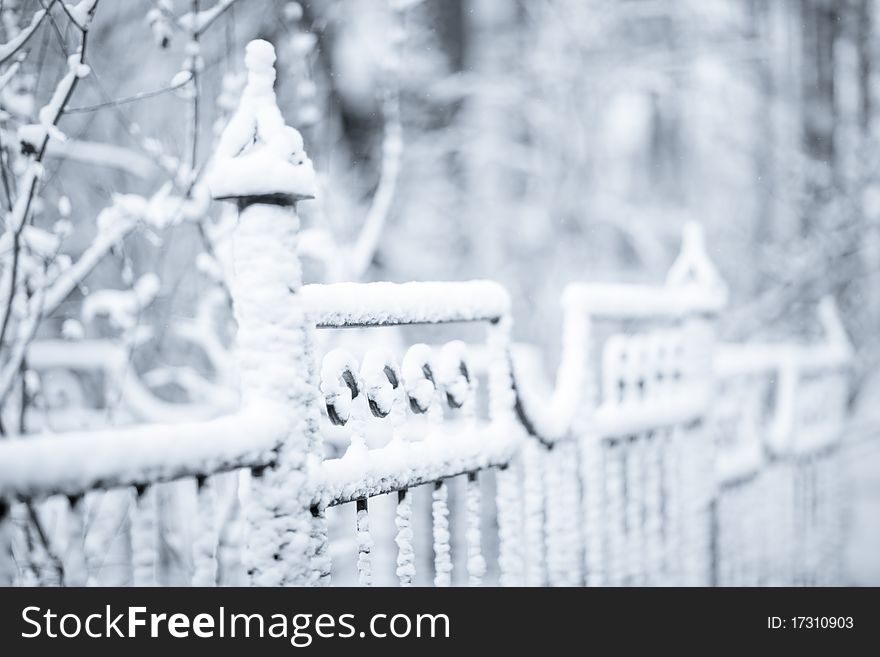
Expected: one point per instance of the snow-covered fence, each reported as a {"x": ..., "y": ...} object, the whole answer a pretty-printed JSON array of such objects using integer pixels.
[
  {"x": 420, "y": 414},
  {"x": 659, "y": 458},
  {"x": 424, "y": 406},
  {"x": 621, "y": 444},
  {"x": 778, "y": 423}
]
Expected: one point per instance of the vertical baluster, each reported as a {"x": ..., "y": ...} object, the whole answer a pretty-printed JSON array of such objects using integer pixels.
[
  {"x": 723, "y": 543},
  {"x": 672, "y": 507},
  {"x": 8, "y": 569},
  {"x": 555, "y": 525},
  {"x": 76, "y": 571},
  {"x": 821, "y": 523},
  {"x": 533, "y": 511},
  {"x": 45, "y": 561},
  {"x": 442, "y": 551},
  {"x": 406, "y": 557},
  {"x": 230, "y": 535},
  {"x": 476, "y": 564},
  {"x": 569, "y": 503},
  {"x": 594, "y": 514},
  {"x": 320, "y": 547},
  {"x": 509, "y": 505},
  {"x": 564, "y": 561},
  {"x": 653, "y": 491},
  {"x": 144, "y": 537},
  {"x": 364, "y": 544},
  {"x": 634, "y": 486},
  {"x": 204, "y": 543},
  {"x": 106, "y": 545},
  {"x": 615, "y": 530},
  {"x": 755, "y": 540}
]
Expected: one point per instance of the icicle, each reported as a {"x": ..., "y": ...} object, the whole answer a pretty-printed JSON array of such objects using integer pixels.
[
  {"x": 364, "y": 544},
  {"x": 476, "y": 564},
  {"x": 442, "y": 551},
  {"x": 204, "y": 544},
  {"x": 406, "y": 569},
  {"x": 144, "y": 537}
]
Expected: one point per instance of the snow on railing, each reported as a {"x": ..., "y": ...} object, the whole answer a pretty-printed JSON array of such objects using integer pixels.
[
  {"x": 658, "y": 458},
  {"x": 778, "y": 421},
  {"x": 419, "y": 416},
  {"x": 621, "y": 441},
  {"x": 425, "y": 407}
]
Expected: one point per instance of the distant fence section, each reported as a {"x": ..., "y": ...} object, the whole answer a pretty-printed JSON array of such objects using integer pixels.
[{"x": 659, "y": 457}]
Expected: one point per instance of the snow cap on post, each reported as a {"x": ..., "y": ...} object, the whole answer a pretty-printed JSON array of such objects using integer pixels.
[
  {"x": 832, "y": 325},
  {"x": 260, "y": 159},
  {"x": 693, "y": 265}
]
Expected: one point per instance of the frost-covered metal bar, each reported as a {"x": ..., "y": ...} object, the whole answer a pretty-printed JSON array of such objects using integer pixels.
[
  {"x": 364, "y": 544},
  {"x": 144, "y": 532},
  {"x": 476, "y": 564},
  {"x": 342, "y": 305},
  {"x": 204, "y": 542},
  {"x": 405, "y": 553},
  {"x": 76, "y": 462}
]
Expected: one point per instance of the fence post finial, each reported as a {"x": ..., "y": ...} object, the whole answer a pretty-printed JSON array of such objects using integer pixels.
[
  {"x": 833, "y": 327},
  {"x": 259, "y": 157},
  {"x": 693, "y": 265},
  {"x": 260, "y": 165}
]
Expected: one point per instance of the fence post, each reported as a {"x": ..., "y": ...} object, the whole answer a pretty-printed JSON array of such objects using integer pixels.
[
  {"x": 260, "y": 164},
  {"x": 697, "y": 451}
]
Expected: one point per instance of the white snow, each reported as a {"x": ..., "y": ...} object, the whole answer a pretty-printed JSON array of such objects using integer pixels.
[
  {"x": 442, "y": 453},
  {"x": 364, "y": 547},
  {"x": 337, "y": 394},
  {"x": 406, "y": 568},
  {"x": 417, "y": 367},
  {"x": 440, "y": 531},
  {"x": 139, "y": 454},
  {"x": 258, "y": 154},
  {"x": 611, "y": 300},
  {"x": 383, "y": 304}
]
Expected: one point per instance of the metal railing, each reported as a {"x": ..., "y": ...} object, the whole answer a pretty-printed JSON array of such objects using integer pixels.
[{"x": 659, "y": 457}]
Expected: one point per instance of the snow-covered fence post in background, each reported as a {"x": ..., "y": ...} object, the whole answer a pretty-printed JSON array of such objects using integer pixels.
[
  {"x": 779, "y": 425},
  {"x": 260, "y": 164},
  {"x": 627, "y": 450},
  {"x": 693, "y": 268}
]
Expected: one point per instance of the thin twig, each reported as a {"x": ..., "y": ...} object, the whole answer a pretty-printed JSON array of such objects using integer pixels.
[
  {"x": 10, "y": 48},
  {"x": 143, "y": 95}
]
